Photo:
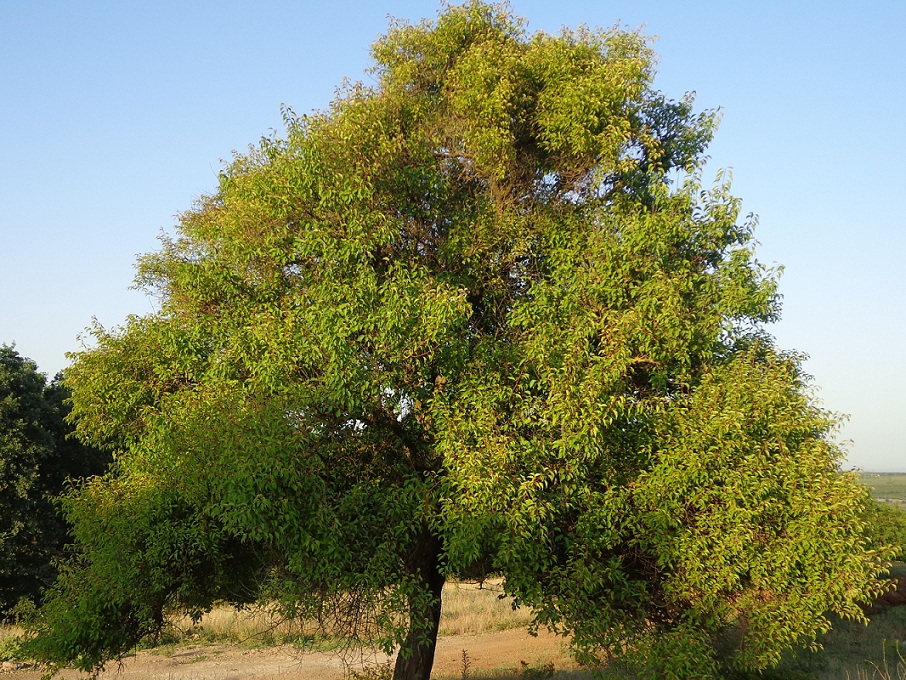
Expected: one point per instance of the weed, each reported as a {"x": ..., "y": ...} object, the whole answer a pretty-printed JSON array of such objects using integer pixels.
[
  {"x": 10, "y": 649},
  {"x": 466, "y": 663},
  {"x": 381, "y": 671},
  {"x": 542, "y": 672},
  {"x": 883, "y": 669}
]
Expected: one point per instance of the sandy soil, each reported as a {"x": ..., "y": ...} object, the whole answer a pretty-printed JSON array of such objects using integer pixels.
[{"x": 502, "y": 650}]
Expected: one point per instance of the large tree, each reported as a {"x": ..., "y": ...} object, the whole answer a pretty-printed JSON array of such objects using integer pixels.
[
  {"x": 478, "y": 317},
  {"x": 36, "y": 461}
]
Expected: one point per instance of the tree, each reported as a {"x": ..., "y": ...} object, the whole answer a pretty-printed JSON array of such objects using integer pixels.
[
  {"x": 36, "y": 460},
  {"x": 481, "y": 316}
]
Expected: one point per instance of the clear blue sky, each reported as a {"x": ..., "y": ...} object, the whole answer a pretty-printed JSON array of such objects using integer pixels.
[{"x": 114, "y": 117}]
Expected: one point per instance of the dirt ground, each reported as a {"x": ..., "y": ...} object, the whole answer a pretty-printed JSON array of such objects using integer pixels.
[{"x": 490, "y": 651}]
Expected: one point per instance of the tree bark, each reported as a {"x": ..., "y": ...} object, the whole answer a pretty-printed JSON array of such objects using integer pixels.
[{"x": 416, "y": 656}]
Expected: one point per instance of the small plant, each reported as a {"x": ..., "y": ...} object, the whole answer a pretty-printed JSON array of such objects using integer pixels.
[
  {"x": 22, "y": 613},
  {"x": 377, "y": 672},
  {"x": 465, "y": 664},
  {"x": 11, "y": 649},
  {"x": 542, "y": 672}
]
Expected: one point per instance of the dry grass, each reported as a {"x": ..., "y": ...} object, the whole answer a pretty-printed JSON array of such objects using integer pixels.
[
  {"x": 10, "y": 632},
  {"x": 468, "y": 608},
  {"x": 251, "y": 627},
  {"x": 471, "y": 608}
]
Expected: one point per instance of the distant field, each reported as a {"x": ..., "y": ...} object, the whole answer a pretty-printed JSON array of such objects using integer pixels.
[{"x": 888, "y": 486}]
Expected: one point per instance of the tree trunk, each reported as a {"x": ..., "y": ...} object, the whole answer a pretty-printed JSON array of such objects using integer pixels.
[{"x": 416, "y": 656}]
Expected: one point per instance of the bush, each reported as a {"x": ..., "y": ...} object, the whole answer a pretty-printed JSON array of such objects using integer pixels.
[{"x": 886, "y": 526}]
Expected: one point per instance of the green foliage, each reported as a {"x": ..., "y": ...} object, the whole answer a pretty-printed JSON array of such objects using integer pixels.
[
  {"x": 36, "y": 460},
  {"x": 732, "y": 542},
  {"x": 542, "y": 672},
  {"x": 11, "y": 649},
  {"x": 480, "y": 316},
  {"x": 885, "y": 526}
]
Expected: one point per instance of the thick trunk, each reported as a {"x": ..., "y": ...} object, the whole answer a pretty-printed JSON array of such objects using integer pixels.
[{"x": 416, "y": 656}]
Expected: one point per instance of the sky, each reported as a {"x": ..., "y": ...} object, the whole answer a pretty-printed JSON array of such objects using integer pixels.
[{"x": 115, "y": 116}]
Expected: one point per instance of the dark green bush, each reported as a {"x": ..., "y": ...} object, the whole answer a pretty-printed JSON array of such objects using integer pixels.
[{"x": 37, "y": 459}]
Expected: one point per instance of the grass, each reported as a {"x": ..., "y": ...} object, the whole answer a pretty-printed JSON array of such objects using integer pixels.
[
  {"x": 887, "y": 486},
  {"x": 466, "y": 672},
  {"x": 249, "y": 628},
  {"x": 853, "y": 651},
  {"x": 469, "y": 608},
  {"x": 527, "y": 672}
]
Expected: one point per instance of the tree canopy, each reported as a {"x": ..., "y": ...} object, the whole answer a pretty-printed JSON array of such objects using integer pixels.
[
  {"x": 479, "y": 317},
  {"x": 36, "y": 460}
]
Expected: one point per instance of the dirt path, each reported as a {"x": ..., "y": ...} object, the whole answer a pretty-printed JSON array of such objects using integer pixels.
[{"x": 502, "y": 650}]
